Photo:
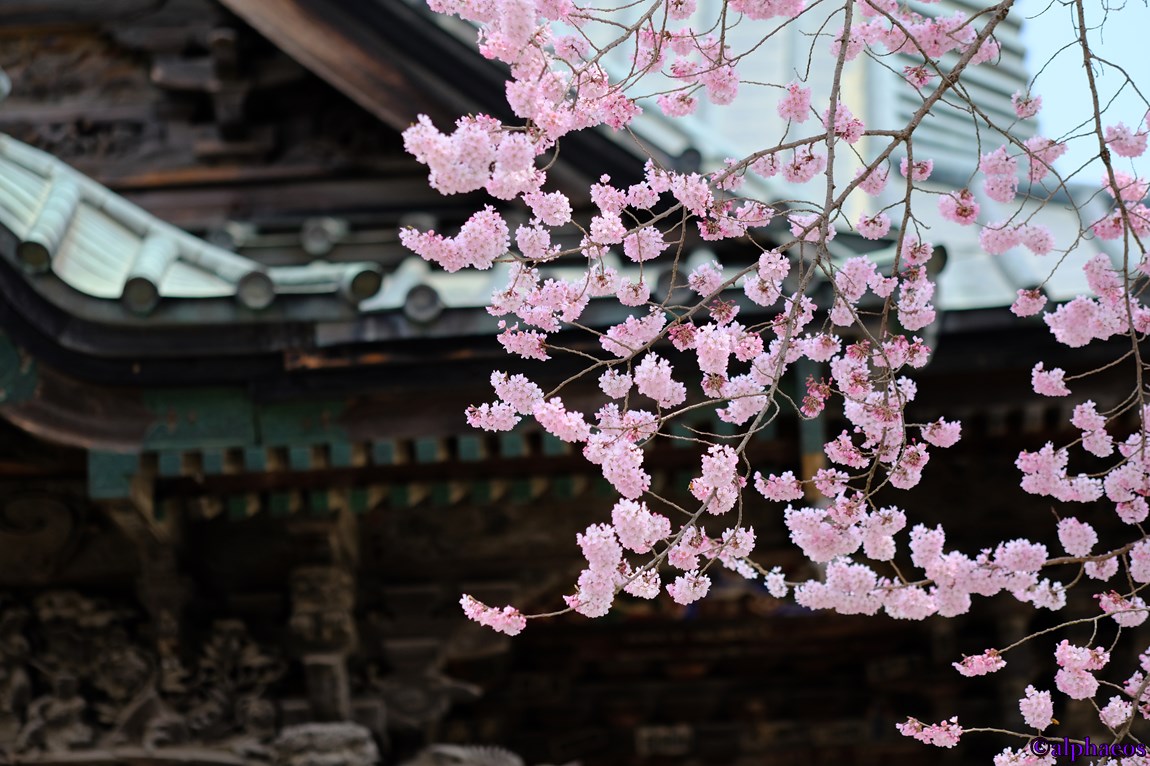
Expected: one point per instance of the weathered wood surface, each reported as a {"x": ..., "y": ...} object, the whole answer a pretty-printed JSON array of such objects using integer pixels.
[{"x": 331, "y": 42}]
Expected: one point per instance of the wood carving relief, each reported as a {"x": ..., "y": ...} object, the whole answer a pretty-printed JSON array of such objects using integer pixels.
[
  {"x": 75, "y": 676},
  {"x": 40, "y": 532}
]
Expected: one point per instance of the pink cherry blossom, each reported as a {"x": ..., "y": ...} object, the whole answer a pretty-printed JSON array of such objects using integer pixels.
[
  {"x": 614, "y": 383},
  {"x": 1037, "y": 238},
  {"x": 526, "y": 343},
  {"x": 1124, "y": 141},
  {"x": 1077, "y": 537},
  {"x": 795, "y": 106},
  {"x": 1028, "y": 303},
  {"x": 638, "y": 529},
  {"x": 722, "y": 84},
  {"x": 643, "y": 244},
  {"x": 846, "y": 126},
  {"x": 959, "y": 207},
  {"x": 1037, "y": 708},
  {"x": 1127, "y": 612},
  {"x": 980, "y": 664},
  {"x": 1025, "y": 106},
  {"x": 804, "y": 165},
  {"x": 873, "y": 227},
  {"x": 506, "y": 620},
  {"x": 838, "y": 321},
  {"x": 560, "y": 422},
  {"x": 808, "y": 223},
  {"x": 1001, "y": 188},
  {"x": 689, "y": 588},
  {"x": 785, "y": 486},
  {"x": 997, "y": 238},
  {"x": 678, "y": 104},
  {"x": 875, "y": 181},
  {"x": 653, "y": 379},
  {"x": 942, "y": 433},
  {"x": 918, "y": 76},
  {"x": 1042, "y": 152},
  {"x": 920, "y": 172},
  {"x": 706, "y": 278},
  {"x": 633, "y": 334},
  {"x": 1048, "y": 382},
  {"x": 998, "y": 163},
  {"x": 492, "y": 417},
  {"x": 1127, "y": 187},
  {"x": 482, "y": 239},
  {"x": 943, "y": 734},
  {"x": 692, "y": 191},
  {"x": 1116, "y": 713}
]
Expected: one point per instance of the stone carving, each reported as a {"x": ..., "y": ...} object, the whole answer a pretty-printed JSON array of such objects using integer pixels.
[
  {"x": 323, "y": 634},
  {"x": 421, "y": 700},
  {"x": 55, "y": 721},
  {"x": 226, "y": 691},
  {"x": 323, "y": 598},
  {"x": 98, "y": 686},
  {"x": 467, "y": 755},
  {"x": 15, "y": 686},
  {"x": 325, "y": 744},
  {"x": 83, "y": 674}
]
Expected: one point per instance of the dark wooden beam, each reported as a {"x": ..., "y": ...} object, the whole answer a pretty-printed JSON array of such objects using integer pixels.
[
  {"x": 69, "y": 12},
  {"x": 207, "y": 206},
  {"x": 452, "y": 470},
  {"x": 342, "y": 51}
]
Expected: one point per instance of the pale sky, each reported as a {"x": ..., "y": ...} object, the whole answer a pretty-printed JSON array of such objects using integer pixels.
[{"x": 1124, "y": 39}]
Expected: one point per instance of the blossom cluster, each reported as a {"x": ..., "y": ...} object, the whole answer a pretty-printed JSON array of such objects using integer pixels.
[{"x": 750, "y": 327}]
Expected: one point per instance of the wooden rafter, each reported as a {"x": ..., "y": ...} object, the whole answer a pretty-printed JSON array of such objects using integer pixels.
[{"x": 330, "y": 41}]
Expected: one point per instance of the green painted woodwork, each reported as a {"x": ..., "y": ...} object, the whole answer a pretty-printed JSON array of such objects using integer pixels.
[
  {"x": 110, "y": 474},
  {"x": 553, "y": 445},
  {"x": 297, "y": 423},
  {"x": 512, "y": 445},
  {"x": 357, "y": 501},
  {"x": 482, "y": 492},
  {"x": 319, "y": 502},
  {"x": 237, "y": 507},
  {"x": 471, "y": 448},
  {"x": 299, "y": 458},
  {"x": 169, "y": 463},
  {"x": 563, "y": 487},
  {"x": 217, "y": 418},
  {"x": 441, "y": 494},
  {"x": 279, "y": 504},
  {"x": 212, "y": 461},
  {"x": 255, "y": 459},
  {"x": 428, "y": 451},
  {"x": 340, "y": 455},
  {"x": 18, "y": 376},
  {"x": 199, "y": 418},
  {"x": 521, "y": 491},
  {"x": 383, "y": 453}
]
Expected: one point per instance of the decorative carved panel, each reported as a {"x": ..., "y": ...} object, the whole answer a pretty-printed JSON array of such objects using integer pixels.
[{"x": 74, "y": 675}]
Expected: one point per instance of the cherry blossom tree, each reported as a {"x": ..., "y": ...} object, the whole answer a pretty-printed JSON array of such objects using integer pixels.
[{"x": 557, "y": 52}]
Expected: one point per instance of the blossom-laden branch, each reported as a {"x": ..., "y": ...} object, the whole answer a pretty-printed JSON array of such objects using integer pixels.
[{"x": 672, "y": 356}]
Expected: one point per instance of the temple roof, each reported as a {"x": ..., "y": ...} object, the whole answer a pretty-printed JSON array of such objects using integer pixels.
[{"x": 70, "y": 231}]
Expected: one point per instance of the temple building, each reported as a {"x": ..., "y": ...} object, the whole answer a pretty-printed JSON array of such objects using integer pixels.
[{"x": 238, "y": 498}]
